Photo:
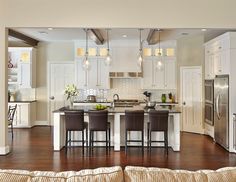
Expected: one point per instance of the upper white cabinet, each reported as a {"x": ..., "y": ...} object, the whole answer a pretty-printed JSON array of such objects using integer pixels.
[
  {"x": 217, "y": 56},
  {"x": 163, "y": 77},
  {"x": 97, "y": 77},
  {"x": 22, "y": 66}
]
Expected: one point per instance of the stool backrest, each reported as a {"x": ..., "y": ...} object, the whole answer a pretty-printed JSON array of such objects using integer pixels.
[
  {"x": 134, "y": 120},
  {"x": 158, "y": 120},
  {"x": 98, "y": 120},
  {"x": 74, "y": 120}
]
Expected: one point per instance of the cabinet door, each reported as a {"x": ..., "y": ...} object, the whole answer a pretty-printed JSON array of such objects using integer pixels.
[
  {"x": 209, "y": 66},
  {"x": 103, "y": 81},
  {"x": 217, "y": 63},
  {"x": 81, "y": 75},
  {"x": 160, "y": 76},
  {"x": 170, "y": 74},
  {"x": 24, "y": 75},
  {"x": 148, "y": 81},
  {"x": 222, "y": 59}
]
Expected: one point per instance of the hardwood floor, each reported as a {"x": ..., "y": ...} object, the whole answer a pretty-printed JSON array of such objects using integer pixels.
[{"x": 32, "y": 150}]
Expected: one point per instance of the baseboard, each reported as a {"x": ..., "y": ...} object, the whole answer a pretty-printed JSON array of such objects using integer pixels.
[
  {"x": 38, "y": 123},
  {"x": 4, "y": 150}
]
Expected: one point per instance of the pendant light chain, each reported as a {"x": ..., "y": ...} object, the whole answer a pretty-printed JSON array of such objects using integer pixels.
[
  {"x": 140, "y": 40},
  {"x": 86, "y": 42},
  {"x": 159, "y": 42},
  {"x": 108, "y": 47}
]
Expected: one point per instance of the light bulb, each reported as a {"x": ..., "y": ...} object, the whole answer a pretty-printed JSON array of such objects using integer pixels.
[
  {"x": 86, "y": 63},
  {"x": 108, "y": 59},
  {"x": 159, "y": 65},
  {"x": 140, "y": 59}
]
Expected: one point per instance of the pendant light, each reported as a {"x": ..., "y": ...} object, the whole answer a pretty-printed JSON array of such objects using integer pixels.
[
  {"x": 159, "y": 62},
  {"x": 108, "y": 58},
  {"x": 86, "y": 63},
  {"x": 140, "y": 54}
]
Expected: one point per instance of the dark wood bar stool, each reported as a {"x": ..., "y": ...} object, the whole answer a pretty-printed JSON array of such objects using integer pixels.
[
  {"x": 74, "y": 121},
  {"x": 158, "y": 122},
  {"x": 98, "y": 121},
  {"x": 134, "y": 121}
]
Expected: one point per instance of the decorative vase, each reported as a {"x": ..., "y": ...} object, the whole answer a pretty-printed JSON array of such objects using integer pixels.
[
  {"x": 71, "y": 101},
  {"x": 163, "y": 97}
]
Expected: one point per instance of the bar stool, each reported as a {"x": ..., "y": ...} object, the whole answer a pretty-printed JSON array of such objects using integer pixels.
[
  {"x": 11, "y": 115},
  {"x": 98, "y": 121},
  {"x": 134, "y": 121},
  {"x": 74, "y": 121},
  {"x": 158, "y": 122}
]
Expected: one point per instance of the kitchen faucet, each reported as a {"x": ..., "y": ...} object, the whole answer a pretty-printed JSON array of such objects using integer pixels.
[{"x": 117, "y": 98}]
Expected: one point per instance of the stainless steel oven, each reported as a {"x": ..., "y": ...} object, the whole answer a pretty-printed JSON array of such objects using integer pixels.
[
  {"x": 209, "y": 91},
  {"x": 209, "y": 113}
]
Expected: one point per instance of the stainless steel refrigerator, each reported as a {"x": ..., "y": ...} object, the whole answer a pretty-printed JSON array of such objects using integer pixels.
[{"x": 221, "y": 110}]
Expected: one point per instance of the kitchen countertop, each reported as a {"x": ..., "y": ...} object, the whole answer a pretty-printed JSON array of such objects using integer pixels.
[
  {"x": 21, "y": 101},
  {"x": 172, "y": 109},
  {"x": 91, "y": 102}
]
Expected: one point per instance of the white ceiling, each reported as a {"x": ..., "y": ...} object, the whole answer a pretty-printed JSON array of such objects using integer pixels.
[{"x": 71, "y": 34}]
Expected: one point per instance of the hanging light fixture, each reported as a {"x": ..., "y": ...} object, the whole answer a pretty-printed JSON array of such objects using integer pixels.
[
  {"x": 108, "y": 58},
  {"x": 159, "y": 62},
  {"x": 86, "y": 63},
  {"x": 140, "y": 54}
]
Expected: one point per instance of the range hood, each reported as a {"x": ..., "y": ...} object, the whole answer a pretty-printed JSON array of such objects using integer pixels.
[{"x": 125, "y": 74}]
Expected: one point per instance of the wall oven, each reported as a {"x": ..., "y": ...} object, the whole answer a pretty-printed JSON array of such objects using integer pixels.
[
  {"x": 209, "y": 91},
  {"x": 209, "y": 102}
]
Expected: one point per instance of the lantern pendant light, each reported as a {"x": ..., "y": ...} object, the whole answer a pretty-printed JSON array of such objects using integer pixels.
[
  {"x": 140, "y": 54},
  {"x": 108, "y": 59},
  {"x": 86, "y": 63},
  {"x": 159, "y": 62}
]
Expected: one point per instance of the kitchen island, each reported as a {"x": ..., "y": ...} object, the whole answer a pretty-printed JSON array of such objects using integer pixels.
[{"x": 116, "y": 118}]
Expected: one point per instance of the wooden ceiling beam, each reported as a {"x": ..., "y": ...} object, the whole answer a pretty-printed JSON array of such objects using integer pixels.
[
  {"x": 96, "y": 36},
  {"x": 28, "y": 40}
]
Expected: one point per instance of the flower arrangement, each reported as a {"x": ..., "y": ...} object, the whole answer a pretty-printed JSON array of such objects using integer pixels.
[{"x": 71, "y": 91}]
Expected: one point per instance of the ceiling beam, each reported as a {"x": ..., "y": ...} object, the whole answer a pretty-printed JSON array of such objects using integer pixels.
[
  {"x": 28, "y": 40},
  {"x": 96, "y": 36},
  {"x": 151, "y": 37}
]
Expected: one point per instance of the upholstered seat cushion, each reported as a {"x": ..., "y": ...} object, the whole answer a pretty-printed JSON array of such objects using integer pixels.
[
  {"x": 94, "y": 175},
  {"x": 142, "y": 174}
]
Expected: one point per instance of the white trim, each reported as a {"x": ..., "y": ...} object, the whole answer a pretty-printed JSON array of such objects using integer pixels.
[
  {"x": 41, "y": 123},
  {"x": 4, "y": 150}
]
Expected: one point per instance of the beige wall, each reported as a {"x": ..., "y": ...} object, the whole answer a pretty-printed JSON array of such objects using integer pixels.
[
  {"x": 58, "y": 51},
  {"x": 108, "y": 13},
  {"x": 190, "y": 52}
]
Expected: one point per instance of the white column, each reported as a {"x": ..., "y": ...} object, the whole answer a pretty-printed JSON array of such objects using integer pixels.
[
  {"x": 4, "y": 148},
  {"x": 56, "y": 132},
  {"x": 117, "y": 132},
  {"x": 176, "y": 122}
]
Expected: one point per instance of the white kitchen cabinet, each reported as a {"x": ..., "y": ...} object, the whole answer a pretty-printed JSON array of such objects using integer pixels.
[
  {"x": 209, "y": 65},
  {"x": 25, "y": 114},
  {"x": 97, "y": 77},
  {"x": 24, "y": 64},
  {"x": 154, "y": 78},
  {"x": 221, "y": 62}
]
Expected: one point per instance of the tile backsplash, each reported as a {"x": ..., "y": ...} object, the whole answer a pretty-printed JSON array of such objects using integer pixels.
[{"x": 125, "y": 88}]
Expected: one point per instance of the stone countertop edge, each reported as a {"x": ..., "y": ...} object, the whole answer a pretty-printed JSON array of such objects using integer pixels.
[
  {"x": 26, "y": 101},
  {"x": 61, "y": 110}
]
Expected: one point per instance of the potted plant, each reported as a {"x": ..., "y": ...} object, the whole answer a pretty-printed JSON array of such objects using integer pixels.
[{"x": 71, "y": 91}]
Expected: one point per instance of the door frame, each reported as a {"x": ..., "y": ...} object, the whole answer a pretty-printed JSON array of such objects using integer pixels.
[
  {"x": 182, "y": 68},
  {"x": 49, "y": 63}
]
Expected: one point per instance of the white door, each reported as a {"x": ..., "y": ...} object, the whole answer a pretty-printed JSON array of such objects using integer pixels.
[
  {"x": 60, "y": 75},
  {"x": 191, "y": 97}
]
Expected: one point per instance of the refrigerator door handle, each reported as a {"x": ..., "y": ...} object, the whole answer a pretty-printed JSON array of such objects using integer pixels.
[{"x": 217, "y": 106}]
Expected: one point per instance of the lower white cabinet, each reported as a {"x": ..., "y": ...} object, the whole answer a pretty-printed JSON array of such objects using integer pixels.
[
  {"x": 25, "y": 115},
  {"x": 163, "y": 78}
]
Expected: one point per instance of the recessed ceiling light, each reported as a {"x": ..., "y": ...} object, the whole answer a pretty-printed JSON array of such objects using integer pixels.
[
  {"x": 184, "y": 33},
  {"x": 203, "y": 29},
  {"x": 43, "y": 32},
  {"x": 124, "y": 36},
  {"x": 50, "y": 28}
]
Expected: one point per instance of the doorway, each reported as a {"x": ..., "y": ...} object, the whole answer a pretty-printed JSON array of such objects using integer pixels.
[{"x": 191, "y": 99}]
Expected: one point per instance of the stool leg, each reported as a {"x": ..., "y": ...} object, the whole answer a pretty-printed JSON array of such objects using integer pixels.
[
  {"x": 125, "y": 142},
  {"x": 87, "y": 137},
  {"x": 90, "y": 141},
  {"x": 142, "y": 142},
  {"x": 66, "y": 142},
  {"x": 109, "y": 138},
  {"x": 106, "y": 142},
  {"x": 150, "y": 141},
  {"x": 12, "y": 131},
  {"x": 83, "y": 141},
  {"x": 148, "y": 137},
  {"x": 166, "y": 141}
]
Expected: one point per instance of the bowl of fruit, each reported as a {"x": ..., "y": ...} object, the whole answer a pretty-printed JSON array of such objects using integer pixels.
[{"x": 100, "y": 107}]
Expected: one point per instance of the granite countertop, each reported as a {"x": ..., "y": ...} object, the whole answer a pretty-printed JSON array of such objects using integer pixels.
[
  {"x": 172, "y": 109},
  {"x": 23, "y": 101},
  {"x": 92, "y": 102}
]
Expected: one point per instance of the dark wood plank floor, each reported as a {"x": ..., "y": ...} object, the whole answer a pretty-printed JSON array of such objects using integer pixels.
[{"x": 32, "y": 150}]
